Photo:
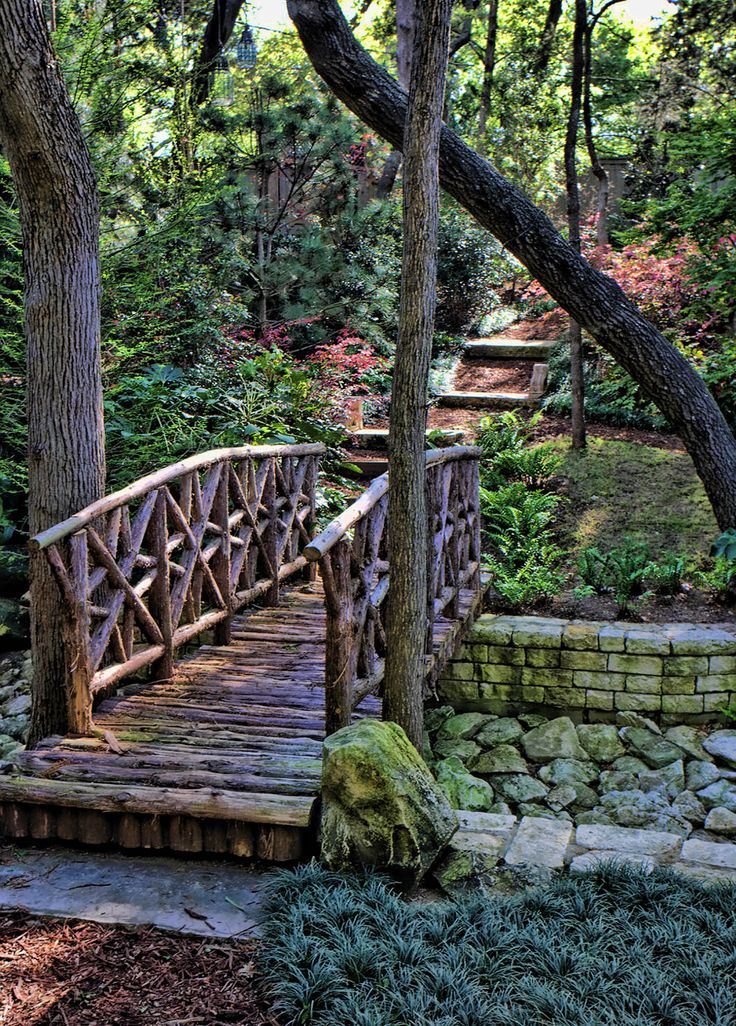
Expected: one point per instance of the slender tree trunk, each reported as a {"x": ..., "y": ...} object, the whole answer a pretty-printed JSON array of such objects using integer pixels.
[
  {"x": 601, "y": 220},
  {"x": 57, "y": 196},
  {"x": 544, "y": 51},
  {"x": 407, "y": 509},
  {"x": 577, "y": 382},
  {"x": 489, "y": 67},
  {"x": 217, "y": 33},
  {"x": 594, "y": 299},
  {"x": 404, "y": 50}
]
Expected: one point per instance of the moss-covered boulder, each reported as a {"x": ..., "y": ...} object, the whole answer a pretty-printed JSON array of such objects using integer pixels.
[
  {"x": 463, "y": 790},
  {"x": 380, "y": 804}
]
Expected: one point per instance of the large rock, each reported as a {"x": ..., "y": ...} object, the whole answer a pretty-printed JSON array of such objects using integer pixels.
[
  {"x": 503, "y": 731},
  {"x": 569, "y": 771},
  {"x": 722, "y": 746},
  {"x": 700, "y": 774},
  {"x": 600, "y": 741},
  {"x": 463, "y": 790},
  {"x": 721, "y": 793},
  {"x": 463, "y": 750},
  {"x": 721, "y": 821},
  {"x": 463, "y": 727},
  {"x": 556, "y": 739},
  {"x": 501, "y": 759},
  {"x": 516, "y": 787},
  {"x": 670, "y": 779},
  {"x": 655, "y": 751},
  {"x": 380, "y": 804},
  {"x": 690, "y": 740},
  {"x": 690, "y": 807}
]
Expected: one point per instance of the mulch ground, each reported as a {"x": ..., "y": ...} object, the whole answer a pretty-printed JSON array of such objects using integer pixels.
[
  {"x": 63, "y": 973},
  {"x": 551, "y": 426},
  {"x": 492, "y": 375}
]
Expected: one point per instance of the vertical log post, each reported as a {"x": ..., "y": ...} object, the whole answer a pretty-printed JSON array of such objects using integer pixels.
[
  {"x": 222, "y": 559},
  {"x": 473, "y": 526},
  {"x": 160, "y": 595},
  {"x": 270, "y": 532},
  {"x": 454, "y": 544},
  {"x": 79, "y": 694},
  {"x": 310, "y": 489},
  {"x": 431, "y": 490},
  {"x": 340, "y": 659}
]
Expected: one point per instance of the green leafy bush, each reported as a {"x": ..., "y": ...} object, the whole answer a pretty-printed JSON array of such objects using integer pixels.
[{"x": 532, "y": 466}]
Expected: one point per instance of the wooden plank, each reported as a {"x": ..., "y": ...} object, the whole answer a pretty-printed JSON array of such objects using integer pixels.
[{"x": 280, "y": 810}]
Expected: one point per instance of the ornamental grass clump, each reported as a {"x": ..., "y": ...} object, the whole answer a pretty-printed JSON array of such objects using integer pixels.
[{"x": 611, "y": 948}]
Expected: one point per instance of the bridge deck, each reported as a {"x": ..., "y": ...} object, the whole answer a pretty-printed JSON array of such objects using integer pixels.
[{"x": 223, "y": 758}]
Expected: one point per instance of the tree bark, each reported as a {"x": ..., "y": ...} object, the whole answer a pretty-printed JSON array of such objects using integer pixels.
[
  {"x": 489, "y": 67},
  {"x": 57, "y": 198},
  {"x": 577, "y": 382},
  {"x": 217, "y": 34},
  {"x": 406, "y": 626},
  {"x": 544, "y": 51},
  {"x": 588, "y": 295}
]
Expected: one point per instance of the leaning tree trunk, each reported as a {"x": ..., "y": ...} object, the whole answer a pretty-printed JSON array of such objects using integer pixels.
[
  {"x": 57, "y": 196},
  {"x": 406, "y": 627},
  {"x": 577, "y": 382},
  {"x": 591, "y": 297}
]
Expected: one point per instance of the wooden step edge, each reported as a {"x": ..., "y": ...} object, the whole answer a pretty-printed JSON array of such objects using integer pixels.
[
  {"x": 199, "y": 803},
  {"x": 509, "y": 340}
]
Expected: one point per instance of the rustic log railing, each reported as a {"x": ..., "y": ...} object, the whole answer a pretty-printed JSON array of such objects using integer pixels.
[
  {"x": 353, "y": 557},
  {"x": 147, "y": 569}
]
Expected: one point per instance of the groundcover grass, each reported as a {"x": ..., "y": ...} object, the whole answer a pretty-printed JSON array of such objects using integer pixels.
[{"x": 610, "y": 948}]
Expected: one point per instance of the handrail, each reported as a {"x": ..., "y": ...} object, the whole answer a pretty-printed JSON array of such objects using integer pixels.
[
  {"x": 147, "y": 569},
  {"x": 339, "y": 527},
  {"x": 353, "y": 555},
  {"x": 158, "y": 478}
]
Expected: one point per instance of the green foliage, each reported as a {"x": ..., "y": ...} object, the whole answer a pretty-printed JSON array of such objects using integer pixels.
[
  {"x": 532, "y": 466},
  {"x": 720, "y": 578},
  {"x": 625, "y": 570},
  {"x": 525, "y": 575},
  {"x": 725, "y": 545},
  {"x": 580, "y": 951}
]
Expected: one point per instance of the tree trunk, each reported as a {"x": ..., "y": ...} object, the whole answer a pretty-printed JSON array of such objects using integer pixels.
[
  {"x": 404, "y": 50},
  {"x": 217, "y": 34},
  {"x": 57, "y": 197},
  {"x": 577, "y": 381},
  {"x": 590, "y": 296},
  {"x": 489, "y": 66},
  {"x": 601, "y": 219},
  {"x": 406, "y": 626},
  {"x": 544, "y": 51}
]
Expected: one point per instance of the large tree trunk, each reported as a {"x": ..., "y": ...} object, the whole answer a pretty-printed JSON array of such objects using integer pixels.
[
  {"x": 588, "y": 295},
  {"x": 577, "y": 383},
  {"x": 217, "y": 33},
  {"x": 406, "y": 627},
  {"x": 57, "y": 195}
]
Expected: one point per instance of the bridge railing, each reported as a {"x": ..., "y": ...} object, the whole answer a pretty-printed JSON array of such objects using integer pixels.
[
  {"x": 147, "y": 569},
  {"x": 353, "y": 557}
]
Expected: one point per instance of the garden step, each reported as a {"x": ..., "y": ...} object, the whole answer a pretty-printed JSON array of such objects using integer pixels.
[
  {"x": 486, "y": 400},
  {"x": 508, "y": 349},
  {"x": 378, "y": 437},
  {"x": 369, "y": 467}
]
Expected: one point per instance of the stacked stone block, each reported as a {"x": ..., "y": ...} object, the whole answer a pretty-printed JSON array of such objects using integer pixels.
[{"x": 679, "y": 672}]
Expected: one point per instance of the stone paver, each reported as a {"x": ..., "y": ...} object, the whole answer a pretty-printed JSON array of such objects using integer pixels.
[
  {"x": 593, "y": 859},
  {"x": 540, "y": 842},
  {"x": 208, "y": 899},
  {"x": 710, "y": 853},
  {"x": 705, "y": 874},
  {"x": 490, "y": 822},
  {"x": 491, "y": 845},
  {"x": 628, "y": 839}
]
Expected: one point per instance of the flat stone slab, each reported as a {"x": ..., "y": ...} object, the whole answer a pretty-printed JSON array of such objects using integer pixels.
[
  {"x": 490, "y": 845},
  {"x": 710, "y": 853},
  {"x": 487, "y": 822},
  {"x": 628, "y": 839},
  {"x": 705, "y": 874},
  {"x": 594, "y": 859},
  {"x": 540, "y": 842},
  {"x": 207, "y": 899}
]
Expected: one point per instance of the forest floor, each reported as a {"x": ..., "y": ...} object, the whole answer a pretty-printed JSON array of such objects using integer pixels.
[{"x": 66, "y": 973}]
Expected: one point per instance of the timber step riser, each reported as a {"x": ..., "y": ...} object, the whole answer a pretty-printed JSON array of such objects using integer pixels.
[
  {"x": 157, "y": 834},
  {"x": 508, "y": 350},
  {"x": 486, "y": 400}
]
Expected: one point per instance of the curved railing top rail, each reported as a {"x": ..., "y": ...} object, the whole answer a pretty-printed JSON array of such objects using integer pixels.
[
  {"x": 343, "y": 523},
  {"x": 146, "y": 484}
]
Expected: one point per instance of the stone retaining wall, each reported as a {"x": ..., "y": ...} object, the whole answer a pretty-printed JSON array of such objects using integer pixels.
[{"x": 680, "y": 673}]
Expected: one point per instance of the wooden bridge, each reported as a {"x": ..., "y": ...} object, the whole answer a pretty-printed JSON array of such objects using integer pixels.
[{"x": 255, "y": 637}]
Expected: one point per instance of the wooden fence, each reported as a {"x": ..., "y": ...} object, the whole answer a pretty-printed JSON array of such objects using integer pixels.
[
  {"x": 147, "y": 569},
  {"x": 353, "y": 559}
]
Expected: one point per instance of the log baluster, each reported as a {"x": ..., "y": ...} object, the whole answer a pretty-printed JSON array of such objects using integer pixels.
[
  {"x": 222, "y": 558},
  {"x": 159, "y": 603},
  {"x": 340, "y": 655},
  {"x": 270, "y": 534},
  {"x": 79, "y": 693}
]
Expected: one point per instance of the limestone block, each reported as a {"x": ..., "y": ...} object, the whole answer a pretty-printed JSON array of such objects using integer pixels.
[
  {"x": 581, "y": 636},
  {"x": 649, "y": 665},
  {"x": 686, "y": 666},
  {"x": 583, "y": 660},
  {"x": 591, "y": 860},
  {"x": 543, "y": 657},
  {"x": 628, "y": 839},
  {"x": 711, "y": 853},
  {"x": 540, "y": 842}
]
